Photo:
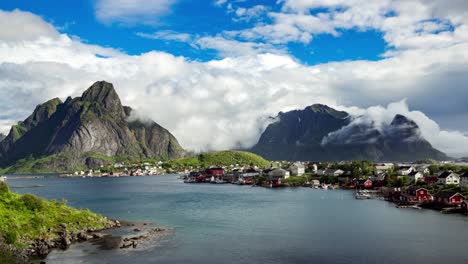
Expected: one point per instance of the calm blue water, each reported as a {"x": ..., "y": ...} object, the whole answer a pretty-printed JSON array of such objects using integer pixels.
[{"x": 242, "y": 224}]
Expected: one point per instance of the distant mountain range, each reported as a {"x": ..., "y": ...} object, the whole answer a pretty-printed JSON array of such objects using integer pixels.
[
  {"x": 321, "y": 133},
  {"x": 86, "y": 130}
]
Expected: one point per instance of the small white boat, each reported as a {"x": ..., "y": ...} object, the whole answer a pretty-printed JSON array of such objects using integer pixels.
[
  {"x": 362, "y": 195},
  {"x": 3, "y": 178}
]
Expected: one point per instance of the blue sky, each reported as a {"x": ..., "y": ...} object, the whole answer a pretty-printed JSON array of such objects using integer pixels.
[
  {"x": 196, "y": 18},
  {"x": 249, "y": 59}
]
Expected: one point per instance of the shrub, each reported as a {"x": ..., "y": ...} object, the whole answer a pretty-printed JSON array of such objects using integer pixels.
[
  {"x": 10, "y": 236},
  {"x": 4, "y": 188},
  {"x": 32, "y": 202}
]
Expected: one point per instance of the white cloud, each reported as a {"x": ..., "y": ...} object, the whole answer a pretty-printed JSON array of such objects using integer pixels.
[
  {"x": 166, "y": 35},
  {"x": 226, "y": 103},
  {"x": 453, "y": 142},
  {"x": 19, "y": 26},
  {"x": 131, "y": 11}
]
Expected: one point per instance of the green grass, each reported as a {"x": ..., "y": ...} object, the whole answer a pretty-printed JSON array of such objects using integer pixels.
[
  {"x": 221, "y": 158},
  {"x": 27, "y": 218},
  {"x": 48, "y": 164}
]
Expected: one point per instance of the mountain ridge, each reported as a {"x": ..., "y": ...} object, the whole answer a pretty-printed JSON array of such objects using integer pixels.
[{"x": 321, "y": 133}]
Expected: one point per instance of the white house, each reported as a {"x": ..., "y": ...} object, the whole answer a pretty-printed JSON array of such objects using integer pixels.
[
  {"x": 279, "y": 173},
  {"x": 406, "y": 170},
  {"x": 464, "y": 180},
  {"x": 448, "y": 177},
  {"x": 320, "y": 172},
  {"x": 414, "y": 176},
  {"x": 297, "y": 169},
  {"x": 424, "y": 169},
  {"x": 314, "y": 168},
  {"x": 333, "y": 172},
  {"x": 382, "y": 168}
]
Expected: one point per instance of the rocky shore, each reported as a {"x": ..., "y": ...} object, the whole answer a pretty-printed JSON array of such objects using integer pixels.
[{"x": 134, "y": 236}]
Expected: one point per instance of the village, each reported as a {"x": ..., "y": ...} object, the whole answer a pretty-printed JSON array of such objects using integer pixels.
[{"x": 442, "y": 187}]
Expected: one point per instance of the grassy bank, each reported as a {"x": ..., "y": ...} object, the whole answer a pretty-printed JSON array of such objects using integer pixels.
[
  {"x": 26, "y": 219},
  {"x": 220, "y": 158}
]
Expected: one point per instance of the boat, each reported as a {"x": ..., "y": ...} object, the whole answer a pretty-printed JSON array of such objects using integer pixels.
[
  {"x": 220, "y": 181},
  {"x": 362, "y": 195},
  {"x": 3, "y": 178}
]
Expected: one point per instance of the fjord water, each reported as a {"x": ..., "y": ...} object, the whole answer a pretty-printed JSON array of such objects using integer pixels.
[{"x": 243, "y": 224}]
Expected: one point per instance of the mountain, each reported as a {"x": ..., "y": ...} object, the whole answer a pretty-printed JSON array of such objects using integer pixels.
[
  {"x": 84, "y": 131},
  {"x": 321, "y": 133},
  {"x": 2, "y": 137}
]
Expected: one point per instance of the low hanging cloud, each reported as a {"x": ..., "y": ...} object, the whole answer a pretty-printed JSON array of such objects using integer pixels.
[
  {"x": 378, "y": 118},
  {"x": 226, "y": 103}
]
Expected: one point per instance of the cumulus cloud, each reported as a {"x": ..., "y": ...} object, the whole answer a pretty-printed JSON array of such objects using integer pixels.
[
  {"x": 131, "y": 11},
  {"x": 223, "y": 104}
]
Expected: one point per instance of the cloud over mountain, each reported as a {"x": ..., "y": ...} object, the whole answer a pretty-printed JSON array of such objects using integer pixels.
[{"x": 226, "y": 103}]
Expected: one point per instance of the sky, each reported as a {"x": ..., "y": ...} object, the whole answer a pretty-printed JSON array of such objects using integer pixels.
[{"x": 214, "y": 71}]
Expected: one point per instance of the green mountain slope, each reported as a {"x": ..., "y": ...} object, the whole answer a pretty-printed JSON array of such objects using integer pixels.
[{"x": 221, "y": 158}]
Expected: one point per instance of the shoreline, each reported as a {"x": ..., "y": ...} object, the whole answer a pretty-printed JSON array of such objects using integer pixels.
[{"x": 135, "y": 234}]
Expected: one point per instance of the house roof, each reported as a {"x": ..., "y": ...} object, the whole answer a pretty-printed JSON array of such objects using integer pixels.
[
  {"x": 415, "y": 188},
  {"x": 445, "y": 174},
  {"x": 413, "y": 173},
  {"x": 406, "y": 167},
  {"x": 446, "y": 194},
  {"x": 298, "y": 165}
]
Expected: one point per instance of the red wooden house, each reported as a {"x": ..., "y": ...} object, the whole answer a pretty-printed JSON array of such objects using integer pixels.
[
  {"x": 391, "y": 193},
  {"x": 448, "y": 198},
  {"x": 218, "y": 173},
  {"x": 431, "y": 180},
  {"x": 416, "y": 194}
]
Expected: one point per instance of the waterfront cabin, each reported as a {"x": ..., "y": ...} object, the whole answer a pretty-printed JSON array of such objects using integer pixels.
[
  {"x": 405, "y": 170},
  {"x": 464, "y": 180},
  {"x": 362, "y": 183},
  {"x": 446, "y": 198},
  {"x": 195, "y": 176},
  {"x": 414, "y": 176},
  {"x": 247, "y": 176},
  {"x": 448, "y": 177},
  {"x": 217, "y": 173},
  {"x": 297, "y": 169},
  {"x": 275, "y": 177},
  {"x": 391, "y": 193},
  {"x": 281, "y": 173},
  {"x": 415, "y": 194}
]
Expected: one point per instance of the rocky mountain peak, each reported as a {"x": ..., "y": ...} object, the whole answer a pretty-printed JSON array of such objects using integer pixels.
[
  {"x": 42, "y": 112},
  {"x": 104, "y": 94},
  {"x": 325, "y": 109},
  {"x": 401, "y": 120}
]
